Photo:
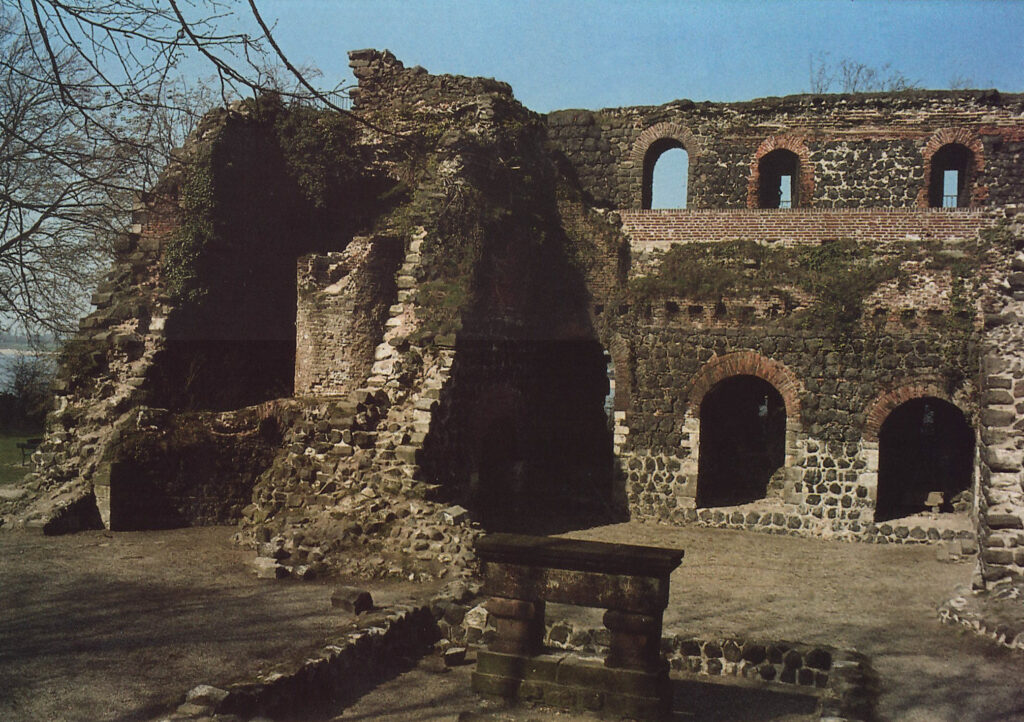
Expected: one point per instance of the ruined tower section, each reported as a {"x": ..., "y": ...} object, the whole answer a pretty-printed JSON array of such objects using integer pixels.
[
  {"x": 173, "y": 397},
  {"x": 804, "y": 345},
  {"x": 447, "y": 361}
]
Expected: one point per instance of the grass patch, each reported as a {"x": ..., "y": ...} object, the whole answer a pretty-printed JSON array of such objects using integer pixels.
[{"x": 11, "y": 470}]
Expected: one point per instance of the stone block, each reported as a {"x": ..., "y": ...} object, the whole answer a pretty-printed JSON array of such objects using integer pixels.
[
  {"x": 997, "y": 556},
  {"x": 456, "y": 515},
  {"x": 352, "y": 600},
  {"x": 206, "y": 695},
  {"x": 997, "y": 417},
  {"x": 269, "y": 568},
  {"x": 1004, "y": 521}
]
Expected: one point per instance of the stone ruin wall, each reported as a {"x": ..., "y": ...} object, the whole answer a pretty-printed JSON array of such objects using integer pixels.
[
  {"x": 859, "y": 151},
  {"x": 343, "y": 304},
  {"x": 377, "y": 398},
  {"x": 865, "y": 159}
]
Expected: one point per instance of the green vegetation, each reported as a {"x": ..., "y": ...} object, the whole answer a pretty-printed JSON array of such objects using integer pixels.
[
  {"x": 278, "y": 169},
  {"x": 196, "y": 233},
  {"x": 838, "y": 276}
]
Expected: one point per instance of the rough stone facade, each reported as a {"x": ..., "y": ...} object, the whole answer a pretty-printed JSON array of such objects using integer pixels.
[
  {"x": 463, "y": 313},
  {"x": 855, "y": 151}
]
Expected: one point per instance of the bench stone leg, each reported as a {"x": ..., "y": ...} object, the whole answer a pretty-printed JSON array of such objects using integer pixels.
[
  {"x": 519, "y": 626},
  {"x": 635, "y": 641}
]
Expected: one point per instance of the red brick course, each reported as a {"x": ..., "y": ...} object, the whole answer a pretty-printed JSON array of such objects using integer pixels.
[
  {"x": 747, "y": 363},
  {"x": 661, "y": 228},
  {"x": 884, "y": 405}
]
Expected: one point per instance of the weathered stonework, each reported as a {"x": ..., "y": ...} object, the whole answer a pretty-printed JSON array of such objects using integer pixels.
[
  {"x": 463, "y": 315},
  {"x": 857, "y": 151}
]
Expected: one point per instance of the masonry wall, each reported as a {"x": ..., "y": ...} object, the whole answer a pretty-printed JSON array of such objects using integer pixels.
[
  {"x": 343, "y": 302},
  {"x": 838, "y": 385},
  {"x": 855, "y": 151},
  {"x": 830, "y": 387}
]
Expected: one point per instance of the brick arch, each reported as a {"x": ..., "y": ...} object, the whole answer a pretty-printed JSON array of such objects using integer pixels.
[
  {"x": 884, "y": 404},
  {"x": 794, "y": 144},
  {"x": 747, "y": 363},
  {"x": 960, "y": 136},
  {"x": 659, "y": 132},
  {"x": 662, "y": 131}
]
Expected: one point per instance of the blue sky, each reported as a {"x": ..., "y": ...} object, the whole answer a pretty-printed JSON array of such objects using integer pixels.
[
  {"x": 603, "y": 53},
  {"x": 562, "y": 54}
]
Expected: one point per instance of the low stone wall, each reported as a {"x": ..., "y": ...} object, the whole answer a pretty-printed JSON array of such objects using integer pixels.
[
  {"x": 322, "y": 682},
  {"x": 843, "y": 678},
  {"x": 798, "y": 523},
  {"x": 996, "y": 614}
]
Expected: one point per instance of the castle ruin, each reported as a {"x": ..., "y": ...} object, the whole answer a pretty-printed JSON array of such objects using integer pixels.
[{"x": 458, "y": 314}]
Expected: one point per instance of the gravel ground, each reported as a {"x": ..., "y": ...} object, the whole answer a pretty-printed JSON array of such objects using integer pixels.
[
  {"x": 100, "y": 626},
  {"x": 878, "y": 599}
]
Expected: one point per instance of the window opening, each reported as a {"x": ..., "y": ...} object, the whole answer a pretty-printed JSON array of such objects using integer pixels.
[
  {"x": 786, "y": 191},
  {"x": 666, "y": 175},
  {"x": 778, "y": 179},
  {"x": 949, "y": 184}
]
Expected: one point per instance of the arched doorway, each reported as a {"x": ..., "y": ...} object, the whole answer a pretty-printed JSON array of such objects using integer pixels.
[
  {"x": 778, "y": 174},
  {"x": 925, "y": 459},
  {"x": 949, "y": 185},
  {"x": 742, "y": 441}
]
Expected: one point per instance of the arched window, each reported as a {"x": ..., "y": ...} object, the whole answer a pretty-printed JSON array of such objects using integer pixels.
[
  {"x": 925, "y": 459},
  {"x": 778, "y": 174},
  {"x": 666, "y": 174},
  {"x": 742, "y": 441},
  {"x": 949, "y": 185}
]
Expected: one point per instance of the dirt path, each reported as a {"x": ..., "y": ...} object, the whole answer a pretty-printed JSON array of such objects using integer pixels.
[
  {"x": 101, "y": 626},
  {"x": 878, "y": 599}
]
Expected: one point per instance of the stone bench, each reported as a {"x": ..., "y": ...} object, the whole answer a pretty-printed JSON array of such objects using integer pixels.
[
  {"x": 522, "y": 573},
  {"x": 27, "y": 447}
]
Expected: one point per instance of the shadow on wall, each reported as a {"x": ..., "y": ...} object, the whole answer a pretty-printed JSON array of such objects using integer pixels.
[{"x": 526, "y": 444}]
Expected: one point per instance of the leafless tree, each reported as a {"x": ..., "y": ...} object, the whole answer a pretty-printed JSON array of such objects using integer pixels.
[
  {"x": 91, "y": 103},
  {"x": 851, "y": 76}
]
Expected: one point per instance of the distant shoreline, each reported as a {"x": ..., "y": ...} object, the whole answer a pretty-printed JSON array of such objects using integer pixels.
[{"x": 24, "y": 352}]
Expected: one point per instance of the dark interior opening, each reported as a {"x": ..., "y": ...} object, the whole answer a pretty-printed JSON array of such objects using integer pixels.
[
  {"x": 925, "y": 448},
  {"x": 528, "y": 420},
  {"x": 742, "y": 441},
  {"x": 952, "y": 157},
  {"x": 772, "y": 168},
  {"x": 654, "y": 153}
]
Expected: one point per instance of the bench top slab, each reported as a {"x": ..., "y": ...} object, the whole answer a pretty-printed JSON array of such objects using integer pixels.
[{"x": 578, "y": 555}]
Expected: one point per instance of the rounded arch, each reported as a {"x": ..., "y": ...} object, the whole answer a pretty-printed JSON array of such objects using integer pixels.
[
  {"x": 649, "y": 146},
  {"x": 884, "y": 404},
  {"x": 945, "y": 138},
  {"x": 804, "y": 190},
  {"x": 747, "y": 363}
]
